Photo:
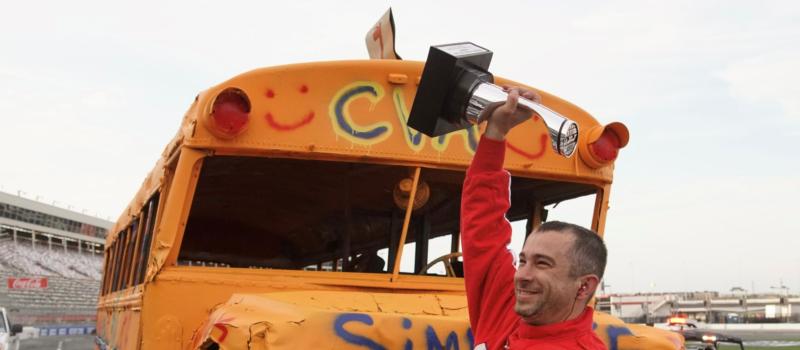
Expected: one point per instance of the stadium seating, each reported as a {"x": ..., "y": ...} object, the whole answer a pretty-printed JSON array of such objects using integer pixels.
[
  {"x": 42, "y": 261},
  {"x": 72, "y": 288}
]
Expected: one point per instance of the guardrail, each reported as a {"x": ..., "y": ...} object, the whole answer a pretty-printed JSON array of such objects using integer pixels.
[
  {"x": 754, "y": 326},
  {"x": 743, "y": 326}
]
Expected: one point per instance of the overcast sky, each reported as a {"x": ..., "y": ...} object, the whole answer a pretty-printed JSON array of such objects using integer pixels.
[{"x": 705, "y": 195}]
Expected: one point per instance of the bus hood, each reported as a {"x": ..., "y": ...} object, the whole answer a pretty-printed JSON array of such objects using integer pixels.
[{"x": 358, "y": 320}]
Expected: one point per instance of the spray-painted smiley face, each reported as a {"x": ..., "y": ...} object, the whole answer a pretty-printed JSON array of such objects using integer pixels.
[{"x": 286, "y": 126}]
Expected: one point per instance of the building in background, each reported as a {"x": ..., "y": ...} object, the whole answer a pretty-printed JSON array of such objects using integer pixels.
[
  {"x": 50, "y": 262},
  {"x": 708, "y": 307},
  {"x": 36, "y": 222}
]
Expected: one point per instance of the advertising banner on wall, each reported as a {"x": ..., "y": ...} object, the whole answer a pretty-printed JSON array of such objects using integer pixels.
[{"x": 27, "y": 283}]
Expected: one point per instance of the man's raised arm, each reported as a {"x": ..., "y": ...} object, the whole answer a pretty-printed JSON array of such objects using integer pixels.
[{"x": 485, "y": 232}]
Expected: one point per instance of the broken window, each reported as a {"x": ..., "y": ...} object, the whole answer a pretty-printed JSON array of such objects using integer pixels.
[{"x": 254, "y": 212}]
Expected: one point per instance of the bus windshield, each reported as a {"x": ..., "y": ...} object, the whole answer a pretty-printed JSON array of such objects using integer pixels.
[{"x": 282, "y": 213}]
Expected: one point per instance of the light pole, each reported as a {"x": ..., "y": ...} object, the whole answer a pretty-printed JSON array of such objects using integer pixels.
[
  {"x": 744, "y": 299},
  {"x": 782, "y": 287},
  {"x": 649, "y": 307},
  {"x": 603, "y": 287},
  {"x": 785, "y": 290}
]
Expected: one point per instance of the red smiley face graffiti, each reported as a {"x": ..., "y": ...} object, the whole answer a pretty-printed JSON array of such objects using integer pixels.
[{"x": 270, "y": 94}]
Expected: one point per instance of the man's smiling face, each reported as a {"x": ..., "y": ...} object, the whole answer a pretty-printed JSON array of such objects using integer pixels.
[{"x": 544, "y": 288}]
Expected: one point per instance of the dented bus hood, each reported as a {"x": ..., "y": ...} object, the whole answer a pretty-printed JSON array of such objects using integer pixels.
[{"x": 358, "y": 320}]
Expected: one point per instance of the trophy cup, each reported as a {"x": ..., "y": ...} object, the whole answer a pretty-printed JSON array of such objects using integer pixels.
[{"x": 456, "y": 91}]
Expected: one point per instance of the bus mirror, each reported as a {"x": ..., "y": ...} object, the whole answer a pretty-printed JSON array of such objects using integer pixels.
[
  {"x": 16, "y": 329},
  {"x": 456, "y": 91}
]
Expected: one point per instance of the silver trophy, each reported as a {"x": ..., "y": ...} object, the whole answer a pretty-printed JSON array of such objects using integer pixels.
[{"x": 456, "y": 90}]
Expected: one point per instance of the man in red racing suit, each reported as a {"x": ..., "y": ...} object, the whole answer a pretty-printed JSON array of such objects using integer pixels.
[{"x": 542, "y": 304}]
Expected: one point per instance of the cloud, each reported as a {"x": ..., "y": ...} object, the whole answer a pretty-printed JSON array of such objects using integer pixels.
[
  {"x": 74, "y": 140},
  {"x": 769, "y": 78},
  {"x": 734, "y": 227}
]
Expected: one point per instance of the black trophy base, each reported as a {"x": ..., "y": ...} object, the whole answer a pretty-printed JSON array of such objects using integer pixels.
[{"x": 450, "y": 72}]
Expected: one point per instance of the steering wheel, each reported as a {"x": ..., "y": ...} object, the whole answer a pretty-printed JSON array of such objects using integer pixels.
[{"x": 448, "y": 266}]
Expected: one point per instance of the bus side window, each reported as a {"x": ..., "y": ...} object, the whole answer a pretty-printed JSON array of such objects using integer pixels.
[
  {"x": 106, "y": 270},
  {"x": 147, "y": 238},
  {"x": 125, "y": 258},
  {"x": 114, "y": 264},
  {"x": 137, "y": 247},
  {"x": 111, "y": 266},
  {"x": 121, "y": 239},
  {"x": 129, "y": 252}
]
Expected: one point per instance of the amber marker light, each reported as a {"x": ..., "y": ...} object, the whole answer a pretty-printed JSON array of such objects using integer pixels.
[
  {"x": 601, "y": 144},
  {"x": 676, "y": 320},
  {"x": 230, "y": 114}
]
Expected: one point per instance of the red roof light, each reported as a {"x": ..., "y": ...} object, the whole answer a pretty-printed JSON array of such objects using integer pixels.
[
  {"x": 601, "y": 144},
  {"x": 230, "y": 113},
  {"x": 607, "y": 146}
]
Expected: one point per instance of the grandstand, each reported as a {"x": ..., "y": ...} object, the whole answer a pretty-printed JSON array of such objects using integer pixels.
[
  {"x": 66, "y": 248},
  {"x": 45, "y": 261}
]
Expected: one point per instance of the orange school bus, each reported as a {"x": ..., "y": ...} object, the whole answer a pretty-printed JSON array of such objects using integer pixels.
[{"x": 294, "y": 209}]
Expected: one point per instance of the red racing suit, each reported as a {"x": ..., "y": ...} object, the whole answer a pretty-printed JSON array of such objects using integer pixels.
[{"x": 489, "y": 267}]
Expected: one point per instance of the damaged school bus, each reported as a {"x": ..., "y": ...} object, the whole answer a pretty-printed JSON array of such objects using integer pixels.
[{"x": 295, "y": 209}]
